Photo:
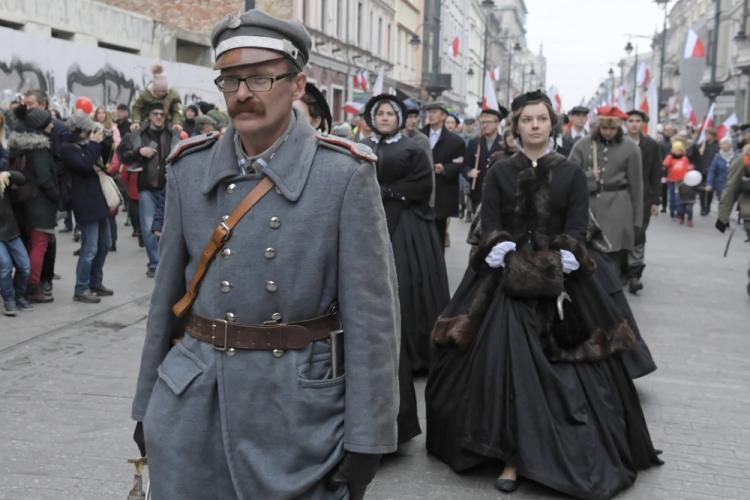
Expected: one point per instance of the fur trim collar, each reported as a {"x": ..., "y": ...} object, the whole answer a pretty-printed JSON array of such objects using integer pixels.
[{"x": 27, "y": 141}]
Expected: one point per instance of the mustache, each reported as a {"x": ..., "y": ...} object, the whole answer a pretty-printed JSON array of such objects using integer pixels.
[{"x": 245, "y": 107}]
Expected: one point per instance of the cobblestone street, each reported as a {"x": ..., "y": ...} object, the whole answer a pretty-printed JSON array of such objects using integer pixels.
[{"x": 67, "y": 375}]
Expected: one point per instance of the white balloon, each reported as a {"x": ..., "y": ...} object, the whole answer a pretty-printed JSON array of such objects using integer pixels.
[{"x": 693, "y": 178}]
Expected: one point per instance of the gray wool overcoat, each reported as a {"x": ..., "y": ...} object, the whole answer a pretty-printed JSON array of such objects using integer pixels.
[
  {"x": 250, "y": 425},
  {"x": 617, "y": 212}
]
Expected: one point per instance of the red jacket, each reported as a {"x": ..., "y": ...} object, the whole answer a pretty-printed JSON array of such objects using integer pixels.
[{"x": 676, "y": 167}]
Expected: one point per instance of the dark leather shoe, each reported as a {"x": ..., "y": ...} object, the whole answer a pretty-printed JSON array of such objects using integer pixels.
[
  {"x": 102, "y": 291},
  {"x": 507, "y": 485},
  {"x": 87, "y": 297},
  {"x": 151, "y": 273},
  {"x": 635, "y": 285},
  {"x": 37, "y": 297}
]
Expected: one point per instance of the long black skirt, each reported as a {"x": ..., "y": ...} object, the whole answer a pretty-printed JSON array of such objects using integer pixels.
[
  {"x": 575, "y": 427},
  {"x": 638, "y": 362},
  {"x": 423, "y": 293}
]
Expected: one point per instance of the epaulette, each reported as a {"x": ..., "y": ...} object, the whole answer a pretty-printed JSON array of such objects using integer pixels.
[
  {"x": 357, "y": 150},
  {"x": 192, "y": 144}
]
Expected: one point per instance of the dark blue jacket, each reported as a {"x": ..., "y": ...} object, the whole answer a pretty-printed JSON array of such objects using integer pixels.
[
  {"x": 87, "y": 198},
  {"x": 717, "y": 173}
]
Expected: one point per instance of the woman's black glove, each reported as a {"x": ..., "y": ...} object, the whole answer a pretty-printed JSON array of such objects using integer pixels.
[
  {"x": 356, "y": 470},
  {"x": 721, "y": 226},
  {"x": 139, "y": 439}
]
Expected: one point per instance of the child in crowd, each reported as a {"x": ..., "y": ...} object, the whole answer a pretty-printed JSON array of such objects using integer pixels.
[{"x": 677, "y": 165}]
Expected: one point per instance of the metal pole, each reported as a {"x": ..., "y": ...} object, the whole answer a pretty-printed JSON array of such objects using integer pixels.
[
  {"x": 714, "y": 51},
  {"x": 635, "y": 78},
  {"x": 249, "y": 4},
  {"x": 436, "y": 15},
  {"x": 663, "y": 55},
  {"x": 510, "y": 72},
  {"x": 523, "y": 79}
]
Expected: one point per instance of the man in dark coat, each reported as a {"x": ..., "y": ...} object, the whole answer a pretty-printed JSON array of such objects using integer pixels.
[
  {"x": 148, "y": 149},
  {"x": 702, "y": 155},
  {"x": 447, "y": 155},
  {"x": 652, "y": 171},
  {"x": 579, "y": 115},
  {"x": 270, "y": 410},
  {"x": 489, "y": 145}
]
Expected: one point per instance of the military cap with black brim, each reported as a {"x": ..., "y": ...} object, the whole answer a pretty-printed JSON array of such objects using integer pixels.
[
  {"x": 256, "y": 37},
  {"x": 640, "y": 113},
  {"x": 579, "y": 110},
  {"x": 436, "y": 105},
  {"x": 501, "y": 113}
]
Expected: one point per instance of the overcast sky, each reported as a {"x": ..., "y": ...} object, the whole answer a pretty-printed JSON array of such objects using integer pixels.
[{"x": 583, "y": 38}]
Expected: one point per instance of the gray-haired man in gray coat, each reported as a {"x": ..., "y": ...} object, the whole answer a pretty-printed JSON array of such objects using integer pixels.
[{"x": 251, "y": 403}]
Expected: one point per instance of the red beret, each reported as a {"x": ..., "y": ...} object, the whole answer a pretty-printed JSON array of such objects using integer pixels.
[{"x": 611, "y": 112}]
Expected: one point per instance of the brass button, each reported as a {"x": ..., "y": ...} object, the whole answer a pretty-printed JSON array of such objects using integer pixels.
[
  {"x": 226, "y": 253},
  {"x": 277, "y": 353},
  {"x": 274, "y": 223},
  {"x": 231, "y": 317},
  {"x": 231, "y": 351},
  {"x": 231, "y": 188},
  {"x": 224, "y": 218},
  {"x": 225, "y": 286},
  {"x": 276, "y": 316},
  {"x": 271, "y": 286},
  {"x": 270, "y": 253}
]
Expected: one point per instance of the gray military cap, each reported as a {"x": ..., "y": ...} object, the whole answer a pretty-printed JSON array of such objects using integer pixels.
[
  {"x": 436, "y": 105},
  {"x": 259, "y": 38}
]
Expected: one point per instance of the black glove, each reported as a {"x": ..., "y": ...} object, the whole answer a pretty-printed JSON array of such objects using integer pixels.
[
  {"x": 139, "y": 439},
  {"x": 356, "y": 470},
  {"x": 721, "y": 226},
  {"x": 640, "y": 236}
]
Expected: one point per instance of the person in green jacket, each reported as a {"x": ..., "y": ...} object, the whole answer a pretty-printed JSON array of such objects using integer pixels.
[{"x": 157, "y": 90}]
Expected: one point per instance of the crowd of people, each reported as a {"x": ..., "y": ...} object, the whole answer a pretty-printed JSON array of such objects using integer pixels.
[
  {"x": 51, "y": 168},
  {"x": 529, "y": 364}
]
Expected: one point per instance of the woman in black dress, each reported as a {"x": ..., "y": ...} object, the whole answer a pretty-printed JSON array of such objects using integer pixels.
[
  {"x": 526, "y": 374},
  {"x": 405, "y": 177}
]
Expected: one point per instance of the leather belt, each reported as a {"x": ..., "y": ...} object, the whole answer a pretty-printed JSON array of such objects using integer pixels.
[
  {"x": 606, "y": 189},
  {"x": 223, "y": 335}
]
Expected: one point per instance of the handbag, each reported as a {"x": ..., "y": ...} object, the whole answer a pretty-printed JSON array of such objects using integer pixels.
[{"x": 112, "y": 194}]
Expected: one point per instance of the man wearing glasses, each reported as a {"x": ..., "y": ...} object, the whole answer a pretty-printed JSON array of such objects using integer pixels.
[
  {"x": 257, "y": 399},
  {"x": 146, "y": 150}
]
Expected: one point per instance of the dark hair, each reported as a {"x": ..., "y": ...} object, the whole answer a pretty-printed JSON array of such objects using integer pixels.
[
  {"x": 596, "y": 135},
  {"x": 40, "y": 95},
  {"x": 554, "y": 119}
]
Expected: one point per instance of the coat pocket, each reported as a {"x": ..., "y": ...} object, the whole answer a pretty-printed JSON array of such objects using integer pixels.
[
  {"x": 316, "y": 369},
  {"x": 180, "y": 368}
]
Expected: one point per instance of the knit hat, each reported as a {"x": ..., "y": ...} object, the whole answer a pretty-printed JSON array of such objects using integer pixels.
[
  {"x": 33, "y": 119},
  {"x": 159, "y": 83},
  {"x": 678, "y": 147},
  {"x": 80, "y": 122}
]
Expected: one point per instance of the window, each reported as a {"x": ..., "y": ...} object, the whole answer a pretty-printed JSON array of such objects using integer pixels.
[
  {"x": 323, "y": 17},
  {"x": 304, "y": 11},
  {"x": 10, "y": 25},
  {"x": 192, "y": 53},
  {"x": 340, "y": 19},
  {"x": 380, "y": 36},
  {"x": 62, "y": 35},
  {"x": 388, "y": 43},
  {"x": 118, "y": 48},
  {"x": 359, "y": 24}
]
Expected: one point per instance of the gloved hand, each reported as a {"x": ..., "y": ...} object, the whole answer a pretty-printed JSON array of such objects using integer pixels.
[
  {"x": 639, "y": 235},
  {"x": 356, "y": 470},
  {"x": 721, "y": 226},
  {"x": 139, "y": 439},
  {"x": 569, "y": 261},
  {"x": 496, "y": 257}
]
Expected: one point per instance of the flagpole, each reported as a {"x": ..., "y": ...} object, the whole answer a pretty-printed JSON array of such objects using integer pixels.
[{"x": 635, "y": 78}]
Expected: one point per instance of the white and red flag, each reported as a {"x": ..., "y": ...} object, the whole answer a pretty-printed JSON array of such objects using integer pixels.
[
  {"x": 489, "y": 101},
  {"x": 352, "y": 107},
  {"x": 693, "y": 45},
  {"x": 495, "y": 74},
  {"x": 687, "y": 111},
  {"x": 707, "y": 123},
  {"x": 644, "y": 75},
  {"x": 377, "y": 87},
  {"x": 726, "y": 126},
  {"x": 554, "y": 94},
  {"x": 652, "y": 98}
]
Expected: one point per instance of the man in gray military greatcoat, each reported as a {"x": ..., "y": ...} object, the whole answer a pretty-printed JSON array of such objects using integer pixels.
[
  {"x": 251, "y": 403},
  {"x": 612, "y": 163}
]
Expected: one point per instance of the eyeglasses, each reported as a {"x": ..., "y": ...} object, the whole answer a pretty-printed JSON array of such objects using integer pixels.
[
  {"x": 255, "y": 83},
  {"x": 157, "y": 113}
]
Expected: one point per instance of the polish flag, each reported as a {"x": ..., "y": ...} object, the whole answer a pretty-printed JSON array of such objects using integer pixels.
[
  {"x": 489, "y": 101},
  {"x": 687, "y": 111},
  {"x": 644, "y": 75},
  {"x": 495, "y": 74},
  {"x": 353, "y": 108},
  {"x": 356, "y": 82},
  {"x": 652, "y": 96},
  {"x": 377, "y": 87},
  {"x": 693, "y": 45},
  {"x": 707, "y": 123},
  {"x": 726, "y": 127},
  {"x": 454, "y": 46},
  {"x": 621, "y": 95},
  {"x": 364, "y": 79},
  {"x": 556, "y": 98}
]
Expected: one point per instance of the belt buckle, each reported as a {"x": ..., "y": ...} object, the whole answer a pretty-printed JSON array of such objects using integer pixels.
[{"x": 222, "y": 348}]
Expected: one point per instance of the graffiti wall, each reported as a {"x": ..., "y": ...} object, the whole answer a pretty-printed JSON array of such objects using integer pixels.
[{"x": 66, "y": 70}]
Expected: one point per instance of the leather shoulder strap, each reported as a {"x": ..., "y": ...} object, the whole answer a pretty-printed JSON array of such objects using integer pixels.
[{"x": 219, "y": 238}]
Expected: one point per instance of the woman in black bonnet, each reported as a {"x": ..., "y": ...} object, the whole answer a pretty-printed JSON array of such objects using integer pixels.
[
  {"x": 528, "y": 371},
  {"x": 405, "y": 177}
]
